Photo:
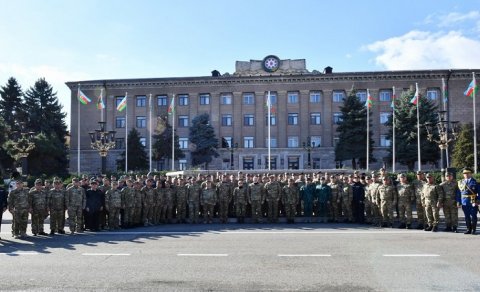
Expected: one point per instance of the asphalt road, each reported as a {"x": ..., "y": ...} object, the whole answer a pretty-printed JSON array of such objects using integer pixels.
[{"x": 302, "y": 257}]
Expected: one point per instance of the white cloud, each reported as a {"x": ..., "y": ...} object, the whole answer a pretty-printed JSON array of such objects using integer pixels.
[
  {"x": 454, "y": 18},
  {"x": 427, "y": 50}
]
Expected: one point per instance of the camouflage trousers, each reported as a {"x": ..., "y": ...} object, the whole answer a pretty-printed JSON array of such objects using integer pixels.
[
  {"x": 157, "y": 214},
  {"x": 147, "y": 215},
  {"x": 431, "y": 210},
  {"x": 347, "y": 209},
  {"x": 368, "y": 211},
  {"x": 193, "y": 211},
  {"x": 256, "y": 211},
  {"x": 114, "y": 217},
  {"x": 57, "y": 220},
  {"x": 20, "y": 221},
  {"x": 167, "y": 213},
  {"x": 181, "y": 210},
  {"x": 335, "y": 211},
  {"x": 272, "y": 210},
  {"x": 386, "y": 208},
  {"x": 38, "y": 219},
  {"x": 75, "y": 218},
  {"x": 240, "y": 210},
  {"x": 208, "y": 212},
  {"x": 128, "y": 213},
  {"x": 223, "y": 210},
  {"x": 290, "y": 210},
  {"x": 137, "y": 215},
  {"x": 405, "y": 211},
  {"x": 420, "y": 212},
  {"x": 450, "y": 211}
]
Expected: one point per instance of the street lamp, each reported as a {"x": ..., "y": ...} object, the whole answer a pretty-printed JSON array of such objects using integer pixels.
[
  {"x": 102, "y": 141},
  {"x": 232, "y": 149},
  {"x": 23, "y": 145},
  {"x": 308, "y": 146},
  {"x": 446, "y": 132}
]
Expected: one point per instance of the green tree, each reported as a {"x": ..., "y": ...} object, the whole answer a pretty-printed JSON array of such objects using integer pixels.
[
  {"x": 463, "y": 154},
  {"x": 137, "y": 157},
  {"x": 11, "y": 106},
  {"x": 162, "y": 147},
  {"x": 206, "y": 143},
  {"x": 6, "y": 160},
  {"x": 352, "y": 144},
  {"x": 406, "y": 130}
]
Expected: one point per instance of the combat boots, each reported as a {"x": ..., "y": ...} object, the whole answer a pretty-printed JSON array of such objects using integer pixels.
[
  {"x": 428, "y": 228},
  {"x": 474, "y": 227},
  {"x": 469, "y": 229},
  {"x": 454, "y": 229}
]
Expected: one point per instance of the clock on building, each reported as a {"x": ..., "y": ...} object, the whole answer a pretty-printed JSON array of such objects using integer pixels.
[{"x": 271, "y": 63}]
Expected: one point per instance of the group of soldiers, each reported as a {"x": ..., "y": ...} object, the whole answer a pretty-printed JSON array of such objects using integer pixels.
[{"x": 144, "y": 200}]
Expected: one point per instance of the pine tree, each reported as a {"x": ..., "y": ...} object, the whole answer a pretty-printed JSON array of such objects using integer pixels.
[
  {"x": 352, "y": 144},
  {"x": 11, "y": 106},
  {"x": 406, "y": 131},
  {"x": 463, "y": 154},
  {"x": 137, "y": 157},
  {"x": 162, "y": 147},
  {"x": 203, "y": 136},
  {"x": 6, "y": 160}
]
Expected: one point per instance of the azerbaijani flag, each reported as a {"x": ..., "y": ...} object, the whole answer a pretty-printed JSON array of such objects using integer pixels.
[
  {"x": 123, "y": 104},
  {"x": 83, "y": 98},
  {"x": 268, "y": 105},
  {"x": 392, "y": 105},
  {"x": 445, "y": 91},
  {"x": 416, "y": 96},
  {"x": 171, "y": 108},
  {"x": 472, "y": 87},
  {"x": 100, "y": 103},
  {"x": 369, "y": 101}
]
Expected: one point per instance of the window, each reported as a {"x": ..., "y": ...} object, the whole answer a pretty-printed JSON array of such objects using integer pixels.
[
  {"x": 162, "y": 100},
  {"x": 248, "y": 120},
  {"x": 292, "y": 97},
  {"x": 273, "y": 97},
  {"x": 143, "y": 141},
  {"x": 385, "y": 95},
  {"x": 182, "y": 164},
  {"x": 292, "y": 142},
  {"x": 248, "y": 98},
  {"x": 362, "y": 95},
  {"x": 183, "y": 121},
  {"x": 118, "y": 100},
  {"x": 384, "y": 141},
  {"x": 273, "y": 143},
  {"x": 316, "y": 141},
  {"x": 141, "y": 122},
  {"x": 226, "y": 98},
  {"x": 384, "y": 117},
  {"x": 337, "y": 118},
  {"x": 315, "y": 96},
  {"x": 228, "y": 141},
  {"x": 141, "y": 101},
  {"x": 183, "y": 99},
  {"x": 183, "y": 142},
  {"x": 248, "y": 142},
  {"x": 120, "y": 122},
  {"x": 204, "y": 99},
  {"x": 336, "y": 140},
  {"x": 315, "y": 119},
  {"x": 273, "y": 120},
  {"x": 119, "y": 143},
  {"x": 293, "y": 119},
  {"x": 226, "y": 120},
  {"x": 338, "y": 96},
  {"x": 432, "y": 94}
]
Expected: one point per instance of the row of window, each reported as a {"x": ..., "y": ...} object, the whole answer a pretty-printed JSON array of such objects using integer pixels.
[{"x": 249, "y": 98}]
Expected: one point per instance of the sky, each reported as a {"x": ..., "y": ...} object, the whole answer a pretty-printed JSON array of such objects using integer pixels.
[{"x": 66, "y": 40}]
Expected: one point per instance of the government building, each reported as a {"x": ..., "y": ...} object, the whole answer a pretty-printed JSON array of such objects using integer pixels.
[{"x": 304, "y": 115}]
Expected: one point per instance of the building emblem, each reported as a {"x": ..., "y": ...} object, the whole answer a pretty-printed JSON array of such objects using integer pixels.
[{"x": 271, "y": 63}]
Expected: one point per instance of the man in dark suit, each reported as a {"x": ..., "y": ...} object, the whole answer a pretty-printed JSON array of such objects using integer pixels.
[{"x": 95, "y": 204}]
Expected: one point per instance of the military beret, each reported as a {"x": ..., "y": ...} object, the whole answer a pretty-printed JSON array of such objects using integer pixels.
[
  {"x": 466, "y": 170},
  {"x": 38, "y": 181}
]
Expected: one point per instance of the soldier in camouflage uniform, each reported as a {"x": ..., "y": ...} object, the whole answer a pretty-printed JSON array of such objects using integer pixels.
[
  {"x": 256, "y": 194},
  {"x": 57, "y": 205},
  {"x": 18, "y": 206},
  {"x": 208, "y": 200},
  {"x": 76, "y": 203},
  {"x": 406, "y": 197},
  {"x": 290, "y": 198},
  {"x": 273, "y": 191},
  {"x": 37, "y": 198},
  {"x": 138, "y": 203},
  {"x": 418, "y": 188},
  {"x": 387, "y": 197},
  {"x": 168, "y": 202},
  {"x": 194, "y": 191},
  {"x": 240, "y": 201},
  {"x": 368, "y": 201},
  {"x": 113, "y": 204},
  {"x": 432, "y": 194},
  {"x": 181, "y": 203},
  {"x": 224, "y": 192},
  {"x": 336, "y": 199},
  {"x": 148, "y": 203},
  {"x": 450, "y": 210},
  {"x": 347, "y": 198},
  {"x": 128, "y": 203}
]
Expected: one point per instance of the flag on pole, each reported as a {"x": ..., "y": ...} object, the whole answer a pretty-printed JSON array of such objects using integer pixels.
[
  {"x": 269, "y": 106},
  {"x": 123, "y": 104},
  {"x": 392, "y": 105},
  {"x": 100, "y": 103},
  {"x": 472, "y": 88},
  {"x": 369, "y": 101},
  {"x": 83, "y": 98},
  {"x": 415, "y": 97},
  {"x": 445, "y": 91},
  {"x": 171, "y": 108}
]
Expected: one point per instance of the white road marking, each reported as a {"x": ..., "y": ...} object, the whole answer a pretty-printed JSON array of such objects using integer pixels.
[
  {"x": 234, "y": 232},
  {"x": 304, "y": 255},
  {"x": 411, "y": 255},
  {"x": 202, "y": 255},
  {"x": 105, "y": 254}
]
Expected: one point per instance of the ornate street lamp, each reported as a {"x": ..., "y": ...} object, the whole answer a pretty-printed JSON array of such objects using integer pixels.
[
  {"x": 232, "y": 149},
  {"x": 102, "y": 141},
  {"x": 442, "y": 133},
  {"x": 308, "y": 146},
  {"x": 22, "y": 146}
]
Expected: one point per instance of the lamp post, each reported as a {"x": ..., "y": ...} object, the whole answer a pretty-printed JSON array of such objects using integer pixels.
[
  {"x": 22, "y": 146},
  {"x": 232, "y": 149},
  {"x": 308, "y": 146},
  {"x": 446, "y": 132},
  {"x": 102, "y": 141}
]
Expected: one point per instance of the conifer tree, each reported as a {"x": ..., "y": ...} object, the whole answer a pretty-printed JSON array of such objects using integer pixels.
[
  {"x": 137, "y": 157},
  {"x": 206, "y": 143}
]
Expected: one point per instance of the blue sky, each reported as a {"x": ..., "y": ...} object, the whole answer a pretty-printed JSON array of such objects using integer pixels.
[{"x": 81, "y": 40}]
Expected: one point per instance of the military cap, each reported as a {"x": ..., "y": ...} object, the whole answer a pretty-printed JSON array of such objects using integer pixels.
[
  {"x": 419, "y": 172},
  {"x": 75, "y": 179},
  {"x": 368, "y": 177},
  {"x": 382, "y": 169},
  {"x": 19, "y": 181},
  {"x": 47, "y": 181},
  {"x": 93, "y": 181},
  {"x": 38, "y": 181},
  {"x": 448, "y": 174},
  {"x": 429, "y": 175},
  {"x": 56, "y": 180},
  {"x": 402, "y": 175},
  {"x": 466, "y": 170}
]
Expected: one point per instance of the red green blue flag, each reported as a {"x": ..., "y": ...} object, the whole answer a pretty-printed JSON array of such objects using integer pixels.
[
  {"x": 472, "y": 87},
  {"x": 83, "y": 98}
]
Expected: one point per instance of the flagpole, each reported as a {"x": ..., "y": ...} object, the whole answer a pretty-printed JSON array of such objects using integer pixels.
[
  {"x": 78, "y": 132},
  {"x": 474, "y": 124},
  {"x": 173, "y": 133},
  {"x": 418, "y": 128},
  {"x": 393, "y": 131},
  {"x": 102, "y": 109},
  {"x": 150, "y": 133},
  {"x": 126, "y": 133},
  {"x": 444, "y": 98},
  {"x": 368, "y": 131},
  {"x": 269, "y": 105}
]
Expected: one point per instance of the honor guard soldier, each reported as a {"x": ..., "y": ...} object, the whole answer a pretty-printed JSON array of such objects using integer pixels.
[
  {"x": 449, "y": 204},
  {"x": 57, "y": 206},
  {"x": 257, "y": 196},
  {"x": 18, "y": 206},
  {"x": 37, "y": 198},
  {"x": 290, "y": 199},
  {"x": 76, "y": 202},
  {"x": 273, "y": 191},
  {"x": 406, "y": 197},
  {"x": 240, "y": 201},
  {"x": 432, "y": 194},
  {"x": 468, "y": 197}
]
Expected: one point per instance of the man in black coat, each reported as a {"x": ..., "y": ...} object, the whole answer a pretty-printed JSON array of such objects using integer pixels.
[
  {"x": 3, "y": 205},
  {"x": 358, "y": 205},
  {"x": 95, "y": 204}
]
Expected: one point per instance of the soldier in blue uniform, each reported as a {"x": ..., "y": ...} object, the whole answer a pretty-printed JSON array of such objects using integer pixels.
[{"x": 468, "y": 197}]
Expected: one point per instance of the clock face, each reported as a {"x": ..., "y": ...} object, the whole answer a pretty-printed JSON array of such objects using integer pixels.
[{"x": 271, "y": 63}]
